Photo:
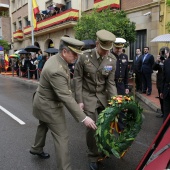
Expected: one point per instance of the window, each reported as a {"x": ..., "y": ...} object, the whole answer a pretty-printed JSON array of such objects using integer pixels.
[
  {"x": 20, "y": 24},
  {"x": 68, "y": 4},
  {"x": 87, "y": 4},
  {"x": 14, "y": 27},
  {"x": 27, "y": 22},
  {"x": 139, "y": 43}
]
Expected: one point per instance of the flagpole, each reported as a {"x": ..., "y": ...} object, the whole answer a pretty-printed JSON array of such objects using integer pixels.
[{"x": 32, "y": 26}]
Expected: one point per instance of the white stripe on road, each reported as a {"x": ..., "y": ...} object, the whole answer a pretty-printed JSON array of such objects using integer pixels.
[{"x": 12, "y": 116}]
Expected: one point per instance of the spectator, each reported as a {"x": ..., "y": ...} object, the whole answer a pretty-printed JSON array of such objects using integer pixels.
[
  {"x": 165, "y": 88},
  {"x": 146, "y": 69}
]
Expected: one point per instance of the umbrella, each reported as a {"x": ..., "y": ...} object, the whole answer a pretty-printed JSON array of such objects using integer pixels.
[
  {"x": 165, "y": 38},
  {"x": 89, "y": 43},
  {"x": 16, "y": 52},
  {"x": 14, "y": 56},
  {"x": 51, "y": 50},
  {"x": 23, "y": 52},
  {"x": 32, "y": 48}
]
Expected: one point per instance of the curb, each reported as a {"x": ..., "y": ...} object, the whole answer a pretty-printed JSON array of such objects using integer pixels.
[
  {"x": 148, "y": 102},
  {"x": 26, "y": 81}
]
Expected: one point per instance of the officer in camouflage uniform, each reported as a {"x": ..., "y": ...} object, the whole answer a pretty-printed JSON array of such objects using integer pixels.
[
  {"x": 94, "y": 84},
  {"x": 121, "y": 74}
]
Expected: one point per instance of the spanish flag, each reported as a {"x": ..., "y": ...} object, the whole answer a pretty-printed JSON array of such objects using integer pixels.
[
  {"x": 35, "y": 11},
  {"x": 6, "y": 62}
]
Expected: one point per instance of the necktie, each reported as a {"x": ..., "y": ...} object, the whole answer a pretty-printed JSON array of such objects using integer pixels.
[
  {"x": 144, "y": 57},
  {"x": 100, "y": 60}
]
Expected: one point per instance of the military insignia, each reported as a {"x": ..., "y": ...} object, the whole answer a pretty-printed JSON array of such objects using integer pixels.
[
  {"x": 110, "y": 60},
  {"x": 91, "y": 55},
  {"x": 88, "y": 74},
  {"x": 87, "y": 56},
  {"x": 107, "y": 68},
  {"x": 86, "y": 61},
  {"x": 124, "y": 61}
]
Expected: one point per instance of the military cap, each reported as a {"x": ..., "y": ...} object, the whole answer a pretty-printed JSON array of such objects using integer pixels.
[
  {"x": 105, "y": 39},
  {"x": 119, "y": 43},
  {"x": 73, "y": 44}
]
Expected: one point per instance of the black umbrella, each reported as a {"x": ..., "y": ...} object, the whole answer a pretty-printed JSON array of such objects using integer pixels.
[
  {"x": 32, "y": 48},
  {"x": 89, "y": 44},
  {"x": 23, "y": 52},
  {"x": 51, "y": 50}
]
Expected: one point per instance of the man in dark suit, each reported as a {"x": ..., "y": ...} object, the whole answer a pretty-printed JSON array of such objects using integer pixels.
[
  {"x": 165, "y": 90},
  {"x": 137, "y": 64},
  {"x": 147, "y": 63},
  {"x": 52, "y": 94}
]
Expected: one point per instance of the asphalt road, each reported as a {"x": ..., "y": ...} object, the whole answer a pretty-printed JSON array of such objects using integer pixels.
[{"x": 16, "y": 138}]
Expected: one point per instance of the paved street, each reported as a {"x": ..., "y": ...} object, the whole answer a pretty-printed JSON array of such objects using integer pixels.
[{"x": 16, "y": 139}]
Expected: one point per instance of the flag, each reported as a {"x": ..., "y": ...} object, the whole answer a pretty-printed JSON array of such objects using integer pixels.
[
  {"x": 6, "y": 62},
  {"x": 35, "y": 11}
]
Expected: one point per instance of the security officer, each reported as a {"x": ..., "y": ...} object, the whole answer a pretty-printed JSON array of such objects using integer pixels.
[
  {"x": 94, "y": 85},
  {"x": 52, "y": 94},
  {"x": 165, "y": 90},
  {"x": 121, "y": 74}
]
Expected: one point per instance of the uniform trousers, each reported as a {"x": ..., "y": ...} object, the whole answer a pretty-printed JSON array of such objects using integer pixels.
[
  {"x": 120, "y": 88},
  {"x": 60, "y": 136},
  {"x": 166, "y": 103},
  {"x": 93, "y": 154}
]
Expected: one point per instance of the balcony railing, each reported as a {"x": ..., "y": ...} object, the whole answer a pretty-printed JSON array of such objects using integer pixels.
[
  {"x": 19, "y": 35},
  {"x": 69, "y": 15},
  {"x": 102, "y": 4}
]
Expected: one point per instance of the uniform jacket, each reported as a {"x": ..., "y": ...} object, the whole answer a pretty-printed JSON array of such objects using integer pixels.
[
  {"x": 93, "y": 81},
  {"x": 53, "y": 92},
  {"x": 122, "y": 68},
  {"x": 166, "y": 78},
  {"x": 147, "y": 64}
]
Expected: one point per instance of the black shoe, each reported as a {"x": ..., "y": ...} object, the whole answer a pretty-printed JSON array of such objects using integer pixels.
[
  {"x": 41, "y": 155},
  {"x": 93, "y": 166},
  {"x": 148, "y": 94},
  {"x": 160, "y": 116}
]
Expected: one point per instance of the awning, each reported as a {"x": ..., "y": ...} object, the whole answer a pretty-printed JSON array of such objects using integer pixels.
[{"x": 4, "y": 7}]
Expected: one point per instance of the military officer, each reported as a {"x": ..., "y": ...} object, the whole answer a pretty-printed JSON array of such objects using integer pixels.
[
  {"x": 94, "y": 84},
  {"x": 52, "y": 94},
  {"x": 121, "y": 74}
]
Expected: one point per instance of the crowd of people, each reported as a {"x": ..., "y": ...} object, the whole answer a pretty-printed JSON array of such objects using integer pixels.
[
  {"x": 51, "y": 10},
  {"x": 28, "y": 65},
  {"x": 143, "y": 67}
]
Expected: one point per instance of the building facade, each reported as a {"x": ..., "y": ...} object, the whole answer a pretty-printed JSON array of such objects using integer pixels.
[{"x": 150, "y": 17}]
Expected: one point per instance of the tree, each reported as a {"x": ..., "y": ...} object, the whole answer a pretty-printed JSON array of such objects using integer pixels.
[
  {"x": 115, "y": 22},
  {"x": 5, "y": 45}
]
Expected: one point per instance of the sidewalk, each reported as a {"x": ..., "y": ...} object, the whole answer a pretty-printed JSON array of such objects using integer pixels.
[{"x": 151, "y": 101}]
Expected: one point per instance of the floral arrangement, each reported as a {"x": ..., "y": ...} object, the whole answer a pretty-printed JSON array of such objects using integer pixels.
[{"x": 118, "y": 125}]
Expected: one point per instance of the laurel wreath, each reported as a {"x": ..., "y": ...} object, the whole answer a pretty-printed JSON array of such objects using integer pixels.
[{"x": 111, "y": 138}]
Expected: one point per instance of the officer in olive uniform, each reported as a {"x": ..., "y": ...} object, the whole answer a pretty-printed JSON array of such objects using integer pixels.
[
  {"x": 121, "y": 74},
  {"x": 52, "y": 94},
  {"x": 94, "y": 84}
]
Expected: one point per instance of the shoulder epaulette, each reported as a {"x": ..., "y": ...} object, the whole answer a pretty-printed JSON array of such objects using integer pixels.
[{"x": 87, "y": 51}]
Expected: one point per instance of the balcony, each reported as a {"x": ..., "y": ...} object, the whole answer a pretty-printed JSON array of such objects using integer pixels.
[
  {"x": 103, "y": 4},
  {"x": 59, "y": 21},
  {"x": 18, "y": 35}
]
